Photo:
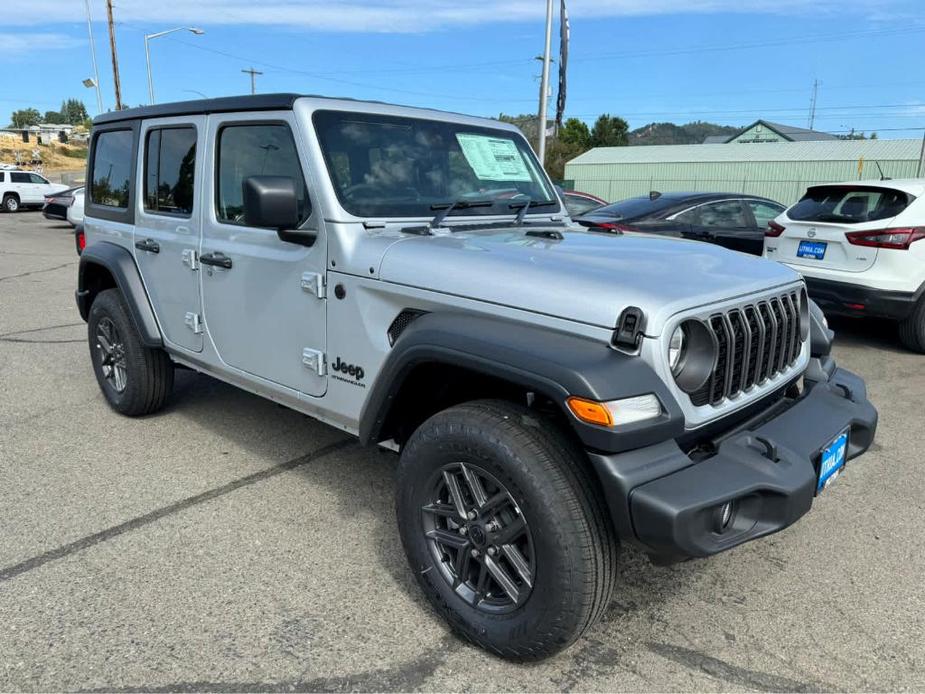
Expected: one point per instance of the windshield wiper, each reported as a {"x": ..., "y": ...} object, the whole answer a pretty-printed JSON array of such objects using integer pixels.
[
  {"x": 446, "y": 207},
  {"x": 523, "y": 207}
]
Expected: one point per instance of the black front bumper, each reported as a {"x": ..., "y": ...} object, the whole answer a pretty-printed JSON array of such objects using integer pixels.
[
  {"x": 844, "y": 299},
  {"x": 667, "y": 502}
]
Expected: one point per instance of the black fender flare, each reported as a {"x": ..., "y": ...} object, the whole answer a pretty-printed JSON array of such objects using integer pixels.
[
  {"x": 118, "y": 261},
  {"x": 549, "y": 362}
]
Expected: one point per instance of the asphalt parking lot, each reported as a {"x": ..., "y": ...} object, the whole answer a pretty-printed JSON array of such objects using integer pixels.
[{"x": 229, "y": 544}]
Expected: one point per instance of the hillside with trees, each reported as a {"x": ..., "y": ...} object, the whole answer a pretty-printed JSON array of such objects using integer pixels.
[{"x": 672, "y": 134}]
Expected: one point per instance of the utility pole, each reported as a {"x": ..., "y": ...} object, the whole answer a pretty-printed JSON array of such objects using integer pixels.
[
  {"x": 812, "y": 104},
  {"x": 96, "y": 72},
  {"x": 544, "y": 86},
  {"x": 253, "y": 73},
  {"x": 115, "y": 57}
]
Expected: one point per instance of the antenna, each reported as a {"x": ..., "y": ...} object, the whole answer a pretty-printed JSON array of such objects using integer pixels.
[
  {"x": 812, "y": 104},
  {"x": 882, "y": 176}
]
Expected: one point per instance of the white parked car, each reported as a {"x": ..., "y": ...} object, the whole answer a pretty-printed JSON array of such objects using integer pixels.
[
  {"x": 19, "y": 189},
  {"x": 861, "y": 248},
  {"x": 75, "y": 213}
]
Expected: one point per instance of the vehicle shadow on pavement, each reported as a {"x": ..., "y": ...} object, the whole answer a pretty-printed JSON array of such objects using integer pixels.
[{"x": 867, "y": 332}]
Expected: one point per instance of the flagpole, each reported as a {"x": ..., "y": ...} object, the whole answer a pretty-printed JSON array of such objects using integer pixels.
[{"x": 544, "y": 86}]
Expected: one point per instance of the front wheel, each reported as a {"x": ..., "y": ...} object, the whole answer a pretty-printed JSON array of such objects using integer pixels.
[{"x": 503, "y": 529}]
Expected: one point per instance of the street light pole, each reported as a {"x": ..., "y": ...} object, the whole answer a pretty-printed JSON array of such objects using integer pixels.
[
  {"x": 148, "y": 37},
  {"x": 96, "y": 72},
  {"x": 544, "y": 86}
]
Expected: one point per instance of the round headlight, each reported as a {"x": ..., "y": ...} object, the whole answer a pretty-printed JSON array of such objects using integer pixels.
[
  {"x": 676, "y": 349},
  {"x": 692, "y": 354}
]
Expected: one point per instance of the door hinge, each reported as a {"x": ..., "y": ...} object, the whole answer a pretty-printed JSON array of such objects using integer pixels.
[
  {"x": 193, "y": 322},
  {"x": 313, "y": 283},
  {"x": 314, "y": 359},
  {"x": 191, "y": 258}
]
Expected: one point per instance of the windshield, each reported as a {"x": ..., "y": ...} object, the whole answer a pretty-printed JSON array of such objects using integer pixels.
[
  {"x": 849, "y": 204},
  {"x": 387, "y": 166},
  {"x": 633, "y": 208}
]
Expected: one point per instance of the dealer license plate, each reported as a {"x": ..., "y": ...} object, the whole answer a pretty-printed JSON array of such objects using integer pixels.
[
  {"x": 812, "y": 249},
  {"x": 833, "y": 462}
]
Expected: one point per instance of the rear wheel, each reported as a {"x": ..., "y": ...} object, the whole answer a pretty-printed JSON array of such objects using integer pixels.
[
  {"x": 135, "y": 379},
  {"x": 912, "y": 329},
  {"x": 11, "y": 203},
  {"x": 503, "y": 530}
]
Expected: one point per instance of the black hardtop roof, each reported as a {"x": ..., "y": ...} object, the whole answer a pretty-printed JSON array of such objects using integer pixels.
[{"x": 225, "y": 104}]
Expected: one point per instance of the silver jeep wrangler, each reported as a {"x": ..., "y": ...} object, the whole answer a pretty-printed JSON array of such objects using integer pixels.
[{"x": 412, "y": 277}]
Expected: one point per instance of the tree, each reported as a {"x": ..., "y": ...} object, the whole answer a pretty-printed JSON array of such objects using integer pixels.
[
  {"x": 26, "y": 117},
  {"x": 54, "y": 117},
  {"x": 74, "y": 111},
  {"x": 576, "y": 132},
  {"x": 610, "y": 131}
]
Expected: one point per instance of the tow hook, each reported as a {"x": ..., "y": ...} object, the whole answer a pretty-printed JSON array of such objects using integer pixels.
[{"x": 770, "y": 449}]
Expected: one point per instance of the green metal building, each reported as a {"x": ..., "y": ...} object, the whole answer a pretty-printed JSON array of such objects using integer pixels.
[{"x": 777, "y": 170}]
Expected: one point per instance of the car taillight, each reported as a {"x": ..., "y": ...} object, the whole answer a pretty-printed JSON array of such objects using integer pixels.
[
  {"x": 774, "y": 230},
  {"x": 612, "y": 226},
  {"x": 898, "y": 239},
  {"x": 81, "y": 240}
]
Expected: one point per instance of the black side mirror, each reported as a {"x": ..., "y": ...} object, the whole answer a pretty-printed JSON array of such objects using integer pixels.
[{"x": 272, "y": 202}]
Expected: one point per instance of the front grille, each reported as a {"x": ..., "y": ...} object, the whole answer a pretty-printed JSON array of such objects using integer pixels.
[{"x": 754, "y": 343}]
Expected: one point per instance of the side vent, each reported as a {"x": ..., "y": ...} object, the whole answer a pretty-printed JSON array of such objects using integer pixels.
[{"x": 402, "y": 321}]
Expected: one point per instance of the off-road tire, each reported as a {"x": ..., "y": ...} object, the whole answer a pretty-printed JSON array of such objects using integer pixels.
[
  {"x": 912, "y": 329},
  {"x": 11, "y": 203},
  {"x": 148, "y": 372},
  {"x": 573, "y": 543}
]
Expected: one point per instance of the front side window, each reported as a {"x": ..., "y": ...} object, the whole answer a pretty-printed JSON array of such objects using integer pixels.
[
  {"x": 388, "y": 166},
  {"x": 112, "y": 169},
  {"x": 170, "y": 163},
  {"x": 35, "y": 178},
  {"x": 723, "y": 215},
  {"x": 255, "y": 150}
]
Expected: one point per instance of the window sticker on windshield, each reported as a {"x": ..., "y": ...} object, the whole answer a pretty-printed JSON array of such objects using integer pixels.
[{"x": 493, "y": 158}]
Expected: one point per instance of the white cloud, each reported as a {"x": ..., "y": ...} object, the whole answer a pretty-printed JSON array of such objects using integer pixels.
[
  {"x": 411, "y": 16},
  {"x": 21, "y": 44}
]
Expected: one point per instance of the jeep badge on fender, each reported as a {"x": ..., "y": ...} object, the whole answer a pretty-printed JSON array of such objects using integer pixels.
[
  {"x": 536, "y": 429},
  {"x": 349, "y": 369}
]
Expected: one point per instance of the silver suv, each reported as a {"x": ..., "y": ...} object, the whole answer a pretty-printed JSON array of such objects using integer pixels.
[{"x": 411, "y": 277}]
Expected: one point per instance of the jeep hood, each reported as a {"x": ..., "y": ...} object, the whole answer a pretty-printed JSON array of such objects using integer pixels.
[{"x": 588, "y": 277}]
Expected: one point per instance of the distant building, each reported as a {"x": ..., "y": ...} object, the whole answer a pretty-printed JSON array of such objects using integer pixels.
[
  {"x": 762, "y": 131},
  {"x": 779, "y": 170}
]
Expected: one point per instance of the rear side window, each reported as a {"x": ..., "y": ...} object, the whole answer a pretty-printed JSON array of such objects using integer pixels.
[
  {"x": 170, "y": 164},
  {"x": 17, "y": 177},
  {"x": 764, "y": 212},
  {"x": 849, "y": 204},
  {"x": 2, "y": 177},
  {"x": 255, "y": 150},
  {"x": 112, "y": 168}
]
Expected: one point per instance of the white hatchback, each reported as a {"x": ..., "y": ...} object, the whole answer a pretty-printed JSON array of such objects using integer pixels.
[{"x": 860, "y": 247}]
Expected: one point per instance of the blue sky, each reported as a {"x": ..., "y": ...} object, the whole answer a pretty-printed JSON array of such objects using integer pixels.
[{"x": 728, "y": 61}]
